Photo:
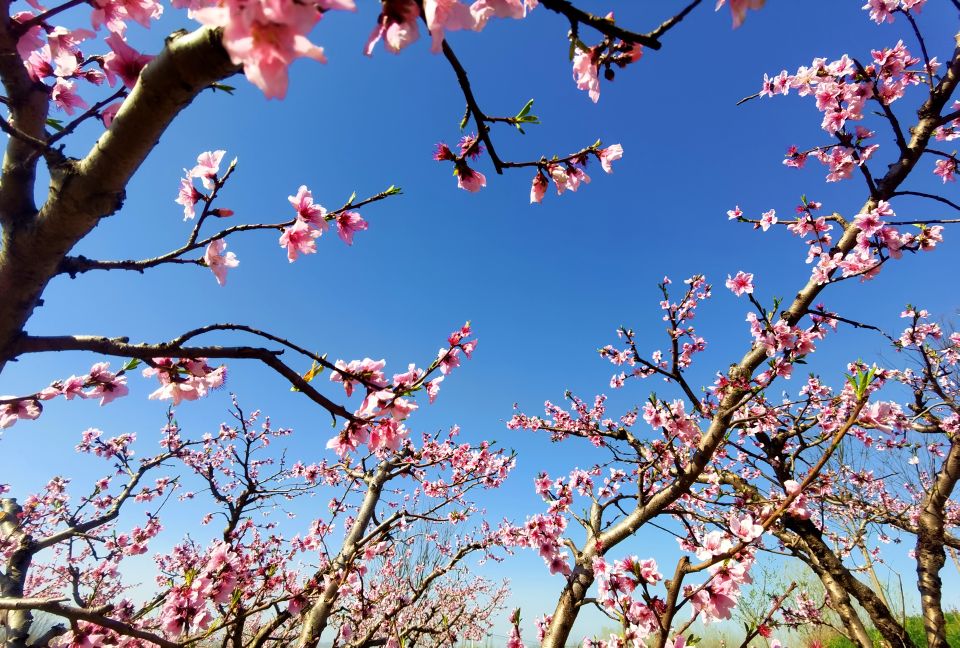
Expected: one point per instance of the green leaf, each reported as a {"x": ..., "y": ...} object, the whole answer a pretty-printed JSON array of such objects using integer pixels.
[
  {"x": 851, "y": 380},
  {"x": 130, "y": 364},
  {"x": 525, "y": 110},
  {"x": 55, "y": 124},
  {"x": 352, "y": 197},
  {"x": 222, "y": 87},
  {"x": 393, "y": 190},
  {"x": 315, "y": 370}
]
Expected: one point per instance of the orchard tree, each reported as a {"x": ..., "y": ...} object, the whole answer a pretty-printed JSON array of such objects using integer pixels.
[{"x": 732, "y": 468}]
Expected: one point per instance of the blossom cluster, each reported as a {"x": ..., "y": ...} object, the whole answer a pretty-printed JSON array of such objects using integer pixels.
[
  {"x": 569, "y": 174},
  {"x": 616, "y": 585},
  {"x": 184, "y": 379},
  {"x": 297, "y": 237},
  {"x": 312, "y": 221},
  {"x": 678, "y": 315},
  {"x": 53, "y": 52},
  {"x": 100, "y": 383},
  {"x": 877, "y": 241},
  {"x": 841, "y": 89},
  {"x": 378, "y": 422}
]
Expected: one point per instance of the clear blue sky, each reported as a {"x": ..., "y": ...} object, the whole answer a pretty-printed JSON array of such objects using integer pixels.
[{"x": 544, "y": 286}]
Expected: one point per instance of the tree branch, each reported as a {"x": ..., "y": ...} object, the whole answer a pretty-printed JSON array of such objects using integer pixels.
[
  {"x": 81, "y": 614},
  {"x": 121, "y": 347}
]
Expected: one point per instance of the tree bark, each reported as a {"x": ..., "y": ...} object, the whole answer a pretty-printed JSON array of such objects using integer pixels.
[
  {"x": 81, "y": 192},
  {"x": 17, "y": 622},
  {"x": 316, "y": 618},
  {"x": 931, "y": 555},
  {"x": 891, "y": 630}
]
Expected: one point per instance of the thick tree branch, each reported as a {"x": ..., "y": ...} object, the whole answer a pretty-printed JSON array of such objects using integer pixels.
[
  {"x": 58, "y": 608},
  {"x": 84, "y": 191},
  {"x": 27, "y": 101}
]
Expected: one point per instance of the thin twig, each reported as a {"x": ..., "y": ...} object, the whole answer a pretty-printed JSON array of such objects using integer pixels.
[
  {"x": 926, "y": 195},
  {"x": 603, "y": 25},
  {"x": 94, "y": 110},
  {"x": 478, "y": 117},
  {"x": 923, "y": 45},
  {"x": 668, "y": 24}
]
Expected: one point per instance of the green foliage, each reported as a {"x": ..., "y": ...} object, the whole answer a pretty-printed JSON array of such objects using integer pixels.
[{"x": 914, "y": 629}]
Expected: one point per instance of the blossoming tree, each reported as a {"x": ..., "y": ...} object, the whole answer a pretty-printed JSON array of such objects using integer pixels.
[
  {"x": 63, "y": 553},
  {"x": 729, "y": 470}
]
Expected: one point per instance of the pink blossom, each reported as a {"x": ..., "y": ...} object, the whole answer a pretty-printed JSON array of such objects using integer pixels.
[
  {"x": 265, "y": 36},
  {"x": 299, "y": 239},
  {"x": 108, "y": 114},
  {"x": 881, "y": 10},
  {"x": 745, "y": 529},
  {"x": 349, "y": 223},
  {"x": 29, "y": 40},
  {"x": 739, "y": 9},
  {"x": 449, "y": 360},
  {"x": 107, "y": 385},
  {"x": 188, "y": 197},
  {"x": 65, "y": 98},
  {"x": 798, "y": 507},
  {"x": 609, "y": 155},
  {"x": 307, "y": 210},
  {"x": 371, "y": 371},
  {"x": 396, "y": 26},
  {"x": 433, "y": 388},
  {"x": 740, "y": 284},
  {"x": 443, "y": 15},
  {"x": 123, "y": 62},
  {"x": 869, "y": 223},
  {"x": 218, "y": 262},
  {"x": 39, "y": 64},
  {"x": 21, "y": 409},
  {"x": 768, "y": 219},
  {"x": 177, "y": 392},
  {"x": 585, "y": 74},
  {"x": 207, "y": 168},
  {"x": 576, "y": 176},
  {"x": 485, "y": 9},
  {"x": 539, "y": 188},
  {"x": 470, "y": 179},
  {"x": 946, "y": 169},
  {"x": 109, "y": 13}
]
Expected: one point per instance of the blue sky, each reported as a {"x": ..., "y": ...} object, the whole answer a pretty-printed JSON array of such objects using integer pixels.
[{"x": 544, "y": 285}]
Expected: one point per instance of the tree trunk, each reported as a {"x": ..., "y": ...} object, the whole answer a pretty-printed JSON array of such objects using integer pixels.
[{"x": 931, "y": 556}]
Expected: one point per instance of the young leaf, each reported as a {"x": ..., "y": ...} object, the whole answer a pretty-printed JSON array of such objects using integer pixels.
[
  {"x": 525, "y": 110},
  {"x": 130, "y": 364}
]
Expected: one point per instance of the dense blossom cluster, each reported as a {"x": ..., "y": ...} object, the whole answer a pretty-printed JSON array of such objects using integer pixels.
[
  {"x": 100, "y": 383},
  {"x": 877, "y": 241},
  {"x": 379, "y": 421}
]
